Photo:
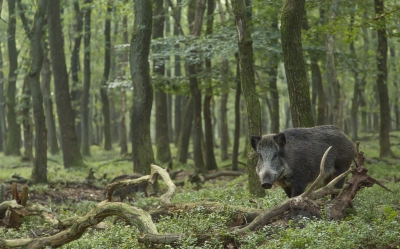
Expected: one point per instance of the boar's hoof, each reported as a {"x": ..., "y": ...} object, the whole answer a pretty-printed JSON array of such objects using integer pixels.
[{"x": 266, "y": 185}]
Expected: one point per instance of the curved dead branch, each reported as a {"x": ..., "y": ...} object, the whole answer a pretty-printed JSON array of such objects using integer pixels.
[
  {"x": 155, "y": 171},
  {"x": 132, "y": 215}
]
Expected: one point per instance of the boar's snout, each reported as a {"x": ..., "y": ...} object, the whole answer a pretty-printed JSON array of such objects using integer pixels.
[{"x": 266, "y": 185}]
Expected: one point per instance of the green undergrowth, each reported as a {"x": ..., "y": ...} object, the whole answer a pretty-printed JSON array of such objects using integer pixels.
[{"x": 374, "y": 222}]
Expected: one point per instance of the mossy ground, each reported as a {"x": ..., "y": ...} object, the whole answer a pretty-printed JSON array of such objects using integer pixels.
[{"x": 376, "y": 223}]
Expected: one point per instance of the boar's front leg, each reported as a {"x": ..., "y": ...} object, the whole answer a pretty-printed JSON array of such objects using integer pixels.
[
  {"x": 298, "y": 188},
  {"x": 288, "y": 191}
]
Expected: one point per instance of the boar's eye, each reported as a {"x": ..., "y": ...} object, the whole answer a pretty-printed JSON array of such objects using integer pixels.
[
  {"x": 259, "y": 156},
  {"x": 274, "y": 155}
]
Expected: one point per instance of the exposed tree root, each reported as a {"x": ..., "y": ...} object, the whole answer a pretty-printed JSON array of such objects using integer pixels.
[{"x": 144, "y": 221}]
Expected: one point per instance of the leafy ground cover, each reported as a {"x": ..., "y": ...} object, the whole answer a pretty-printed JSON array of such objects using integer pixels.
[{"x": 374, "y": 224}]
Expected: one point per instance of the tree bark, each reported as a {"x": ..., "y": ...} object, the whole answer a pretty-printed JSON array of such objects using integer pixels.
[
  {"x": 123, "y": 134},
  {"x": 25, "y": 107},
  {"x": 318, "y": 94},
  {"x": 179, "y": 104},
  {"x": 195, "y": 91},
  {"x": 3, "y": 127},
  {"x": 85, "y": 144},
  {"x": 76, "y": 91},
  {"x": 223, "y": 109},
  {"x": 381, "y": 83},
  {"x": 396, "y": 108},
  {"x": 331, "y": 69},
  {"x": 245, "y": 44},
  {"x": 142, "y": 151},
  {"x": 48, "y": 103},
  {"x": 69, "y": 143},
  {"x": 210, "y": 161},
  {"x": 105, "y": 108},
  {"x": 236, "y": 137},
  {"x": 272, "y": 72},
  {"x": 299, "y": 93},
  {"x": 39, "y": 172},
  {"x": 186, "y": 128},
  {"x": 163, "y": 154},
  {"x": 14, "y": 130}
]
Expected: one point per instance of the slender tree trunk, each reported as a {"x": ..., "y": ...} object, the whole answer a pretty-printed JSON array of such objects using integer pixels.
[
  {"x": 163, "y": 154},
  {"x": 356, "y": 91},
  {"x": 210, "y": 161},
  {"x": 396, "y": 77},
  {"x": 245, "y": 44},
  {"x": 381, "y": 82},
  {"x": 142, "y": 151},
  {"x": 272, "y": 72},
  {"x": 123, "y": 134},
  {"x": 236, "y": 138},
  {"x": 330, "y": 65},
  {"x": 299, "y": 93},
  {"x": 179, "y": 99},
  {"x": 48, "y": 104},
  {"x": 223, "y": 117},
  {"x": 318, "y": 94},
  {"x": 69, "y": 143},
  {"x": 39, "y": 172},
  {"x": 186, "y": 128},
  {"x": 223, "y": 124},
  {"x": 86, "y": 81},
  {"x": 105, "y": 108},
  {"x": 3, "y": 128},
  {"x": 26, "y": 118},
  {"x": 76, "y": 90},
  {"x": 14, "y": 130},
  {"x": 196, "y": 93}
]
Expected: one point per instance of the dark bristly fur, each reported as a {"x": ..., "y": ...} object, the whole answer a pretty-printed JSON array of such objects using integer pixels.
[{"x": 302, "y": 150}]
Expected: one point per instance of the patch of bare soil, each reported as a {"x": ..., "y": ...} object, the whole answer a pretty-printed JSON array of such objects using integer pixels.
[{"x": 57, "y": 194}]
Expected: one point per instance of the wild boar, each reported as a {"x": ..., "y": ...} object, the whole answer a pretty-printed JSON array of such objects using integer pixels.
[
  {"x": 291, "y": 159},
  {"x": 130, "y": 190}
]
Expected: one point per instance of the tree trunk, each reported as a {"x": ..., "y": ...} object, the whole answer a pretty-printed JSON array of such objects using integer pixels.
[
  {"x": 330, "y": 65},
  {"x": 236, "y": 137},
  {"x": 123, "y": 134},
  {"x": 25, "y": 107},
  {"x": 186, "y": 128},
  {"x": 14, "y": 130},
  {"x": 142, "y": 151},
  {"x": 245, "y": 44},
  {"x": 223, "y": 121},
  {"x": 356, "y": 91},
  {"x": 179, "y": 99},
  {"x": 299, "y": 93},
  {"x": 396, "y": 100},
  {"x": 272, "y": 72},
  {"x": 163, "y": 154},
  {"x": 381, "y": 82},
  {"x": 48, "y": 104},
  {"x": 86, "y": 81},
  {"x": 3, "y": 127},
  {"x": 318, "y": 94},
  {"x": 69, "y": 143},
  {"x": 105, "y": 108},
  {"x": 196, "y": 93},
  {"x": 39, "y": 172},
  {"x": 76, "y": 91},
  {"x": 210, "y": 161}
]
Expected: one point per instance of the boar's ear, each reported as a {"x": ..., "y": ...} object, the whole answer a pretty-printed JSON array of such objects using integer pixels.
[
  {"x": 254, "y": 141},
  {"x": 280, "y": 139}
]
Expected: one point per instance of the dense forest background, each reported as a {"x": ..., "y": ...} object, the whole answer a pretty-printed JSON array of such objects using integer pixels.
[{"x": 76, "y": 73}]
